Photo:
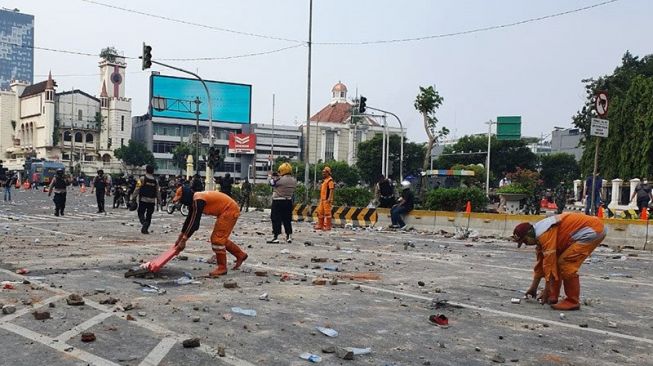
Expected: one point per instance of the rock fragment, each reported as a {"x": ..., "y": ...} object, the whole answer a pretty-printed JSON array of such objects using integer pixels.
[
  {"x": 74, "y": 300},
  {"x": 191, "y": 343}
]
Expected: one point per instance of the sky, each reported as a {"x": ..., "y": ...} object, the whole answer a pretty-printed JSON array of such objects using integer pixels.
[{"x": 533, "y": 70}]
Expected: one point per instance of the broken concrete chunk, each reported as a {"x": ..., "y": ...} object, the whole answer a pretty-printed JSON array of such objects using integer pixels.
[
  {"x": 41, "y": 315},
  {"x": 261, "y": 273},
  {"x": 498, "y": 358},
  {"x": 74, "y": 300},
  {"x": 329, "y": 349},
  {"x": 320, "y": 281},
  {"x": 88, "y": 337},
  {"x": 230, "y": 284},
  {"x": 191, "y": 343},
  {"x": 319, "y": 260},
  {"x": 221, "y": 351},
  {"x": 345, "y": 354},
  {"x": 109, "y": 301},
  {"x": 8, "y": 309}
]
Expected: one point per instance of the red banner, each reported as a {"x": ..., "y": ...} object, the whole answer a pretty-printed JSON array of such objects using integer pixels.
[{"x": 242, "y": 143}]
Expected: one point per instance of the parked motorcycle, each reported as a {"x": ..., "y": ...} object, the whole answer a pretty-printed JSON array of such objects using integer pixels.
[{"x": 171, "y": 208}]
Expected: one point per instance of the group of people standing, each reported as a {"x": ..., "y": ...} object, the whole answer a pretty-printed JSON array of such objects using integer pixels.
[{"x": 385, "y": 196}]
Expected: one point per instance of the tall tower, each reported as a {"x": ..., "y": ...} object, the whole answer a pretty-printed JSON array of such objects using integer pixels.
[
  {"x": 339, "y": 93},
  {"x": 48, "y": 113},
  {"x": 115, "y": 107}
]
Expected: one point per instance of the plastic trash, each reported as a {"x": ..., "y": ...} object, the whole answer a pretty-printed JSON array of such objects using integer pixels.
[
  {"x": 247, "y": 312},
  {"x": 310, "y": 357},
  {"x": 264, "y": 297},
  {"x": 184, "y": 281},
  {"x": 327, "y": 331},
  {"x": 331, "y": 267},
  {"x": 284, "y": 251},
  {"x": 359, "y": 351}
]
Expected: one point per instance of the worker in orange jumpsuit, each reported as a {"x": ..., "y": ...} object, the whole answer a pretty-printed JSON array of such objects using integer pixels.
[
  {"x": 326, "y": 201},
  {"x": 226, "y": 211},
  {"x": 562, "y": 243}
]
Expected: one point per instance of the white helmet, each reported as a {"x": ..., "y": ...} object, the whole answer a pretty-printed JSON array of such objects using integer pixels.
[{"x": 405, "y": 184}]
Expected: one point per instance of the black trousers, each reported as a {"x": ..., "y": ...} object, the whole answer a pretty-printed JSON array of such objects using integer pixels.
[
  {"x": 145, "y": 211},
  {"x": 59, "y": 202},
  {"x": 281, "y": 213},
  {"x": 99, "y": 196},
  {"x": 244, "y": 202}
]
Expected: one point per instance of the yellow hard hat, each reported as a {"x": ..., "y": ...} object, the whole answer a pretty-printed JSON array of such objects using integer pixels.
[
  {"x": 285, "y": 168},
  {"x": 327, "y": 169}
]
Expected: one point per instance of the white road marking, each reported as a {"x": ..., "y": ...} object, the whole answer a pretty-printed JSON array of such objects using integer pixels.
[
  {"x": 479, "y": 308},
  {"x": 59, "y": 346},
  {"x": 65, "y": 336},
  {"x": 159, "y": 352},
  {"x": 26, "y": 310}
]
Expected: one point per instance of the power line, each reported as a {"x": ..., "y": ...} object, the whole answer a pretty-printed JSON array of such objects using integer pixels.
[
  {"x": 193, "y": 23},
  {"x": 231, "y": 57},
  {"x": 469, "y": 31}
]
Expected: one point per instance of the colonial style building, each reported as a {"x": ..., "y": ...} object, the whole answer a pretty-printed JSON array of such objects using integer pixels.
[
  {"x": 73, "y": 127},
  {"x": 335, "y": 135}
]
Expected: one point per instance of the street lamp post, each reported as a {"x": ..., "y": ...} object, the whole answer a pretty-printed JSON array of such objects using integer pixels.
[{"x": 401, "y": 135}]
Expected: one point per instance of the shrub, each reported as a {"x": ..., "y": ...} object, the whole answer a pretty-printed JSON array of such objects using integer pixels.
[
  {"x": 455, "y": 199},
  {"x": 352, "y": 196}
]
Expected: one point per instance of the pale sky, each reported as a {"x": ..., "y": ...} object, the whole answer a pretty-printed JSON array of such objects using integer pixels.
[{"x": 533, "y": 70}]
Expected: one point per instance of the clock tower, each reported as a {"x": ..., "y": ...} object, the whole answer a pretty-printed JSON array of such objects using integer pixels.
[{"x": 112, "y": 74}]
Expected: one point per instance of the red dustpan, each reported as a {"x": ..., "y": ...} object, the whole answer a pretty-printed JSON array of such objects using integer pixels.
[{"x": 154, "y": 265}]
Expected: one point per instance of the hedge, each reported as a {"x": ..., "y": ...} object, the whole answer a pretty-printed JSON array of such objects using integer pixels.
[{"x": 455, "y": 199}]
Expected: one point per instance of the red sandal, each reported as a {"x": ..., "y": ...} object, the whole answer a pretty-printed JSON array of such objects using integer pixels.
[{"x": 439, "y": 320}]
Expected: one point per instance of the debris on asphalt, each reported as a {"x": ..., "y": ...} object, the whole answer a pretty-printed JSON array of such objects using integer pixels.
[
  {"x": 319, "y": 260},
  {"x": 247, "y": 312},
  {"x": 8, "y": 309},
  {"x": 150, "y": 288},
  {"x": 88, "y": 337},
  {"x": 227, "y": 316},
  {"x": 329, "y": 332},
  {"x": 261, "y": 273},
  {"x": 344, "y": 353},
  {"x": 612, "y": 324},
  {"x": 41, "y": 315},
  {"x": 359, "y": 351},
  {"x": 221, "y": 351},
  {"x": 515, "y": 300},
  {"x": 310, "y": 357},
  {"x": 420, "y": 283},
  {"x": 74, "y": 300},
  {"x": 231, "y": 284},
  {"x": 191, "y": 343},
  {"x": 583, "y": 325},
  {"x": 320, "y": 281},
  {"x": 22, "y": 271},
  {"x": 440, "y": 320},
  {"x": 330, "y": 267},
  {"x": 109, "y": 301},
  {"x": 497, "y": 358},
  {"x": 562, "y": 316},
  {"x": 264, "y": 297},
  {"x": 196, "y": 319},
  {"x": 329, "y": 349}
]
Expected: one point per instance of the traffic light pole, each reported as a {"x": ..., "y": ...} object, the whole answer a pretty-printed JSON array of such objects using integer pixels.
[
  {"x": 209, "y": 169},
  {"x": 307, "y": 165},
  {"x": 401, "y": 135}
]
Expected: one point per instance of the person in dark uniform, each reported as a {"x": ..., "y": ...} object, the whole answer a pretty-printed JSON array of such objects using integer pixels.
[
  {"x": 385, "y": 192},
  {"x": 245, "y": 193},
  {"x": 148, "y": 193},
  {"x": 100, "y": 186},
  {"x": 59, "y": 186},
  {"x": 227, "y": 182}
]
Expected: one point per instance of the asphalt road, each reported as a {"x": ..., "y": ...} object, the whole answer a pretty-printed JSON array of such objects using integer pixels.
[{"x": 388, "y": 285}]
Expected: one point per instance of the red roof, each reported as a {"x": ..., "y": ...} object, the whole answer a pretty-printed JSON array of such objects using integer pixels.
[{"x": 335, "y": 113}]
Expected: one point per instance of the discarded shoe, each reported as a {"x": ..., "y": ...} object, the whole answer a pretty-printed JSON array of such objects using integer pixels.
[
  {"x": 439, "y": 320},
  {"x": 137, "y": 272}
]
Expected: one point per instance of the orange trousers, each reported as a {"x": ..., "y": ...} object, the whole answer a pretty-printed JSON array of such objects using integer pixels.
[
  {"x": 570, "y": 260},
  {"x": 224, "y": 224}
]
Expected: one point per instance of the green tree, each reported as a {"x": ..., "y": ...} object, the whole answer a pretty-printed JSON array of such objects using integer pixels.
[
  {"x": 109, "y": 53},
  {"x": 506, "y": 156},
  {"x": 369, "y": 158},
  {"x": 179, "y": 154},
  {"x": 559, "y": 167},
  {"x": 340, "y": 171},
  {"x": 134, "y": 154},
  {"x": 628, "y": 151},
  {"x": 427, "y": 103}
]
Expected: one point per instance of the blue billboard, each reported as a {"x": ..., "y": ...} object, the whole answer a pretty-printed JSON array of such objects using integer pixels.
[{"x": 231, "y": 102}]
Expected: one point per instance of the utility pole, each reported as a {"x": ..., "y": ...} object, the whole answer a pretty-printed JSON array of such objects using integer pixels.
[
  {"x": 272, "y": 149},
  {"x": 401, "y": 153},
  {"x": 72, "y": 132},
  {"x": 197, "y": 112},
  {"x": 487, "y": 163},
  {"x": 308, "y": 102}
]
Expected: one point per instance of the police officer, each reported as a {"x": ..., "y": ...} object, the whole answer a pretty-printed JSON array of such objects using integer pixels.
[
  {"x": 59, "y": 185},
  {"x": 100, "y": 186},
  {"x": 148, "y": 193}
]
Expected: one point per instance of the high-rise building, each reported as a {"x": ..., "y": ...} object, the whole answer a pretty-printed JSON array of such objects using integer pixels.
[{"x": 16, "y": 47}]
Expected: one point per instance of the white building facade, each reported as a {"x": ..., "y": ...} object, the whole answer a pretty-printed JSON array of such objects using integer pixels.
[
  {"x": 72, "y": 127},
  {"x": 273, "y": 142}
]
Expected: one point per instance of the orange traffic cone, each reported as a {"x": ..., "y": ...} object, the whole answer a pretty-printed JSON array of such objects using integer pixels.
[
  {"x": 83, "y": 189},
  {"x": 599, "y": 214},
  {"x": 468, "y": 208},
  {"x": 644, "y": 214}
]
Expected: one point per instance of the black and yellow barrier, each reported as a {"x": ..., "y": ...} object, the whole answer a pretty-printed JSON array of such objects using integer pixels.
[{"x": 343, "y": 215}]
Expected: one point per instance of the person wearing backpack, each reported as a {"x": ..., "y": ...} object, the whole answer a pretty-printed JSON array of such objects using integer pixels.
[
  {"x": 59, "y": 186},
  {"x": 385, "y": 192},
  {"x": 100, "y": 186},
  {"x": 149, "y": 194},
  {"x": 643, "y": 194}
]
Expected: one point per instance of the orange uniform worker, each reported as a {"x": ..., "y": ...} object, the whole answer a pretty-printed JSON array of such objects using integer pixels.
[
  {"x": 326, "y": 201},
  {"x": 562, "y": 244},
  {"x": 226, "y": 211}
]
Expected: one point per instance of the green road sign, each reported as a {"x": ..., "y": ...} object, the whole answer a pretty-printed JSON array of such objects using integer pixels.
[{"x": 509, "y": 128}]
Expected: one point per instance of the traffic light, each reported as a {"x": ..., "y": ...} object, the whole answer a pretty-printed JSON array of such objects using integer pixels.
[
  {"x": 147, "y": 56},
  {"x": 214, "y": 157},
  {"x": 362, "y": 105}
]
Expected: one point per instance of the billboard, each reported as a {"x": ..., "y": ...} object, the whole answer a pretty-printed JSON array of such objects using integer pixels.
[
  {"x": 231, "y": 102},
  {"x": 242, "y": 143}
]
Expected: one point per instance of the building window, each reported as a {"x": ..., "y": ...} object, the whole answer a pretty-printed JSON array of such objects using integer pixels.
[
  {"x": 122, "y": 142},
  {"x": 122, "y": 123},
  {"x": 79, "y": 115},
  {"x": 329, "y": 145},
  {"x": 78, "y": 137},
  {"x": 67, "y": 136},
  {"x": 89, "y": 138}
]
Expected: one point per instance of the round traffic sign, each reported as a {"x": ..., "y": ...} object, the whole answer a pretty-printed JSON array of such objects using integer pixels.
[{"x": 601, "y": 103}]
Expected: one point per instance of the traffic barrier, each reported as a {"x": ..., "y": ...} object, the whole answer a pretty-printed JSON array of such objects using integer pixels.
[{"x": 343, "y": 215}]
